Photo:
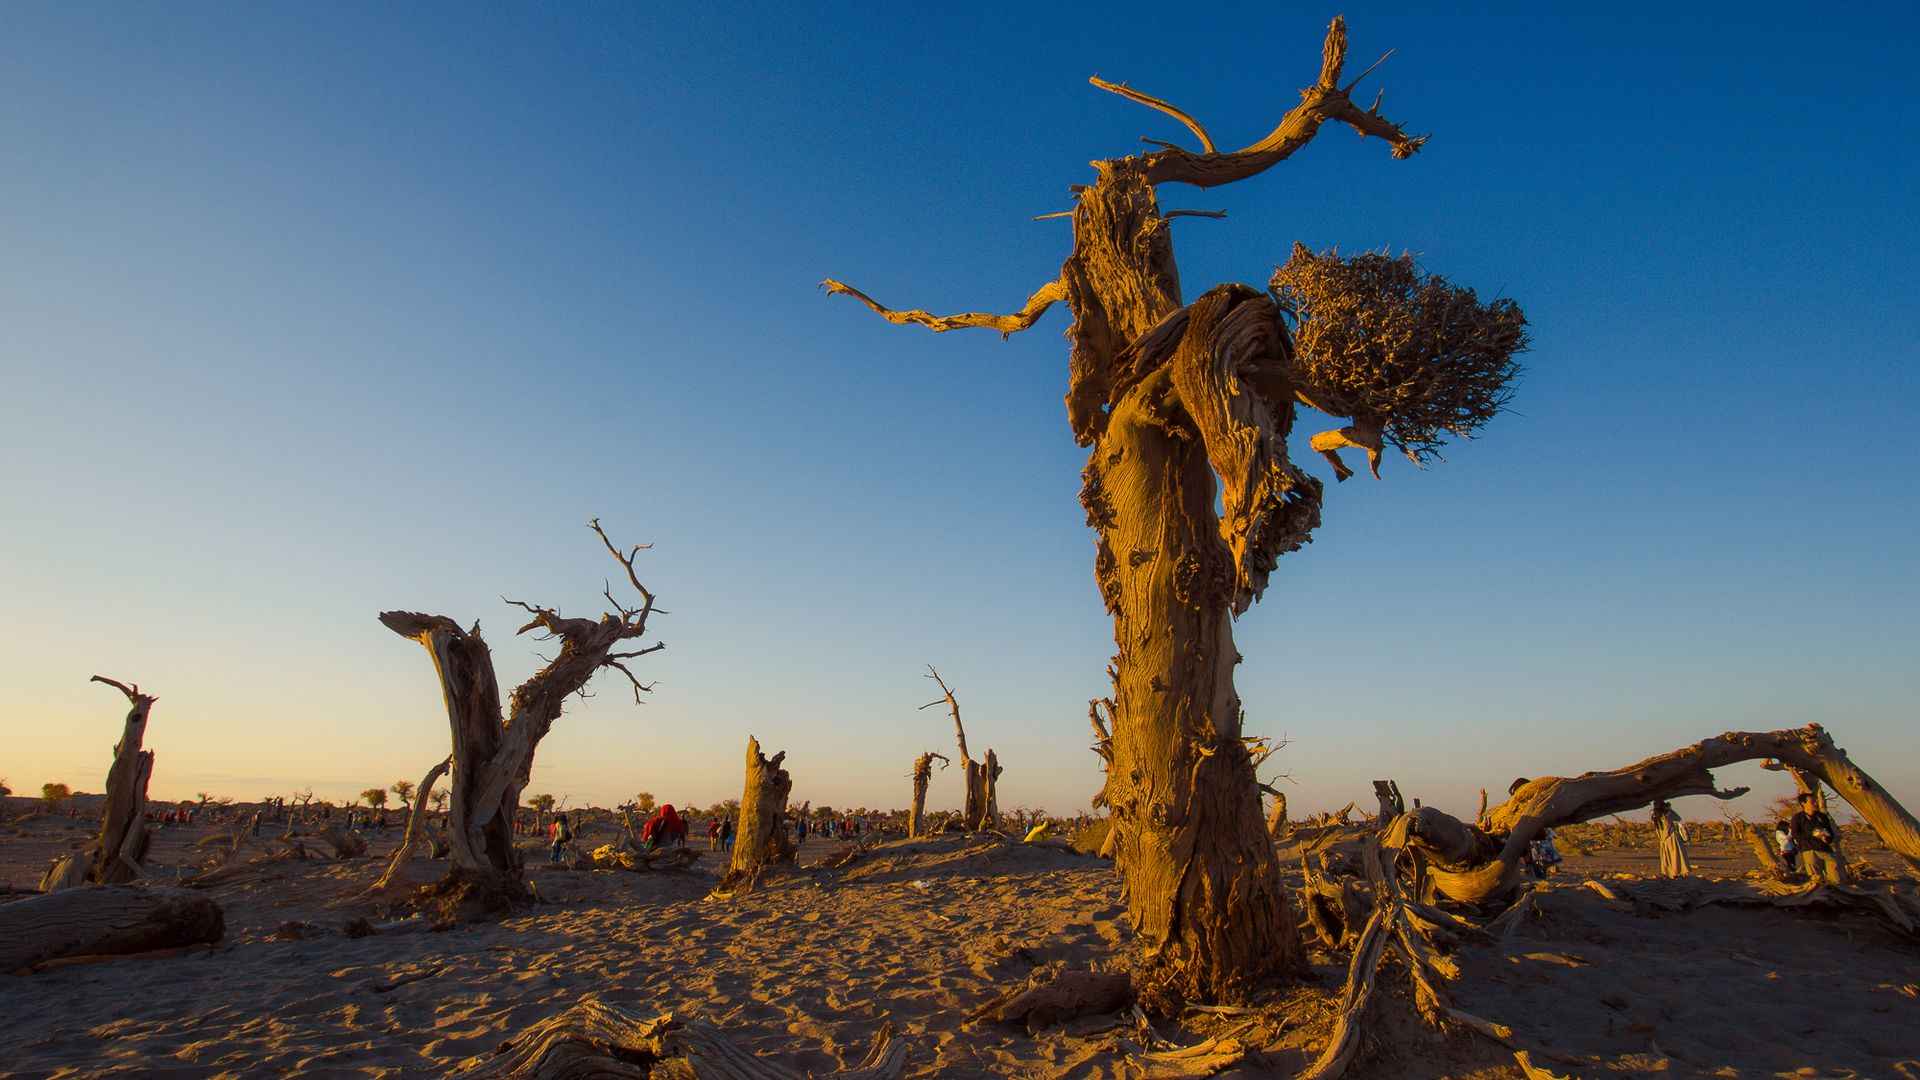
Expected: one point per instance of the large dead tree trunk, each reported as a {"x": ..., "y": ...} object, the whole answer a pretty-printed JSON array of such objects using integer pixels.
[
  {"x": 106, "y": 920},
  {"x": 1168, "y": 398},
  {"x": 922, "y": 775},
  {"x": 493, "y": 754},
  {"x": 762, "y": 838},
  {"x": 1472, "y": 863},
  {"x": 120, "y": 847}
]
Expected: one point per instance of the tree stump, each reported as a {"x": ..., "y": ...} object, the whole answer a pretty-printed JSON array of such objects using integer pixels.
[
  {"x": 762, "y": 838},
  {"x": 104, "y": 920},
  {"x": 122, "y": 843},
  {"x": 922, "y": 775}
]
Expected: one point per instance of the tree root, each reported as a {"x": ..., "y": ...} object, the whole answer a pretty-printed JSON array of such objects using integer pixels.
[
  {"x": 594, "y": 1039},
  {"x": 1056, "y": 997}
]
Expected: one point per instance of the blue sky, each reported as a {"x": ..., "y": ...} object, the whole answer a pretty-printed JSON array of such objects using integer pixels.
[{"x": 306, "y": 313}]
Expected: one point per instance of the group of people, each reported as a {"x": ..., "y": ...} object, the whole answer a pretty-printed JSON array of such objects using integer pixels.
[
  {"x": 1807, "y": 841},
  {"x": 664, "y": 828}
]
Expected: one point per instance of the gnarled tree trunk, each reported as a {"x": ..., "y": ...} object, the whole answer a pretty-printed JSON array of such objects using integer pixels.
[
  {"x": 1167, "y": 398},
  {"x": 493, "y": 754},
  {"x": 763, "y": 838},
  {"x": 122, "y": 843}
]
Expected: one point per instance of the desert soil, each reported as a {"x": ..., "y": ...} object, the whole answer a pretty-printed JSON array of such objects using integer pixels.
[{"x": 916, "y": 935}]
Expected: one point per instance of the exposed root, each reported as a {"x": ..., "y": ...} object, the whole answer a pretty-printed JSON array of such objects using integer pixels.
[
  {"x": 466, "y": 896},
  {"x": 1055, "y": 998},
  {"x": 594, "y": 1039}
]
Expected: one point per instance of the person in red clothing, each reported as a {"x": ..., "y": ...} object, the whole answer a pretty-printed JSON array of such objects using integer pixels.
[{"x": 664, "y": 827}]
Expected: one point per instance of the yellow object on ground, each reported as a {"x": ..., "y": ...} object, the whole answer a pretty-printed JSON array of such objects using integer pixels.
[{"x": 1039, "y": 832}]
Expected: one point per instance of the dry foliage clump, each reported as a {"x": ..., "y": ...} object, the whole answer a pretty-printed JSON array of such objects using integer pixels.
[{"x": 1378, "y": 338}]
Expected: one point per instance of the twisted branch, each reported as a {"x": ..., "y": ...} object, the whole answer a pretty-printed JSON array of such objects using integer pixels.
[{"x": 1043, "y": 298}]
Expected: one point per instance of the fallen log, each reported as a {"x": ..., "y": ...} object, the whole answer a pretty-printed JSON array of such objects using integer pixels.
[
  {"x": 99, "y": 920},
  {"x": 1480, "y": 862}
]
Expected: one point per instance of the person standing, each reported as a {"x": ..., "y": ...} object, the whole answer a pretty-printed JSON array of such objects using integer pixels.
[
  {"x": 562, "y": 836},
  {"x": 1673, "y": 841}
]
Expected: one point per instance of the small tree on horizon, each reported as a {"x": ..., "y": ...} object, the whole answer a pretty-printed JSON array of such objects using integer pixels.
[
  {"x": 402, "y": 790},
  {"x": 54, "y": 793},
  {"x": 375, "y": 797},
  {"x": 439, "y": 800},
  {"x": 644, "y": 803}
]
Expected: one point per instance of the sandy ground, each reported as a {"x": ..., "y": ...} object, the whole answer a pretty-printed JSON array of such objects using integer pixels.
[{"x": 918, "y": 934}]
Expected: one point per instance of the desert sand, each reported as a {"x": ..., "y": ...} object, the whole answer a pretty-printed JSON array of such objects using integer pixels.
[{"x": 914, "y": 936}]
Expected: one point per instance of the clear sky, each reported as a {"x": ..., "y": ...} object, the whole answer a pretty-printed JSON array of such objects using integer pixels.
[{"x": 309, "y": 311}]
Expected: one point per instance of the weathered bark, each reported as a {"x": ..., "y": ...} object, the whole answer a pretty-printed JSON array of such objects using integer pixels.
[
  {"x": 1277, "y": 826},
  {"x": 1201, "y": 882},
  {"x": 983, "y": 802},
  {"x": 1167, "y": 398},
  {"x": 592, "y": 1039},
  {"x": 416, "y": 823},
  {"x": 109, "y": 920},
  {"x": 762, "y": 838},
  {"x": 1474, "y": 863},
  {"x": 922, "y": 776},
  {"x": 493, "y": 755},
  {"x": 1772, "y": 863},
  {"x": 1391, "y": 804},
  {"x": 122, "y": 842}
]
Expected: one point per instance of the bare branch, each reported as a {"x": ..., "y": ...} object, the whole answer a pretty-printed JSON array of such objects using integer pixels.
[
  {"x": 1037, "y": 304},
  {"x": 638, "y": 686},
  {"x": 953, "y": 705},
  {"x": 634, "y": 620},
  {"x": 1324, "y": 101},
  {"x": 1055, "y": 214},
  {"x": 1348, "y": 89},
  {"x": 1151, "y": 102},
  {"x": 1215, "y": 214},
  {"x": 132, "y": 690}
]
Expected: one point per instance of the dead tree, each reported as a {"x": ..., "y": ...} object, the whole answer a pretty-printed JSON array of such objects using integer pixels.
[
  {"x": 1175, "y": 399},
  {"x": 922, "y": 775},
  {"x": 1392, "y": 805},
  {"x": 1473, "y": 863},
  {"x": 1277, "y": 826},
  {"x": 762, "y": 838},
  {"x": 492, "y": 752},
  {"x": 416, "y": 824},
  {"x": 109, "y": 921},
  {"x": 981, "y": 809},
  {"x": 114, "y": 856}
]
